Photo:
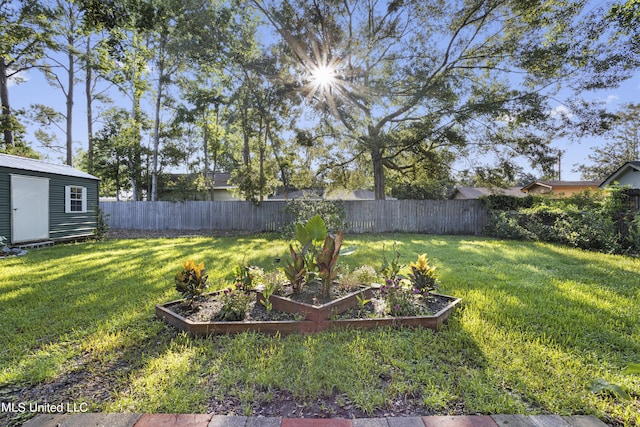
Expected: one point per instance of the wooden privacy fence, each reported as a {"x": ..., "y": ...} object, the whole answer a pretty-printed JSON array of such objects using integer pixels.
[{"x": 371, "y": 216}]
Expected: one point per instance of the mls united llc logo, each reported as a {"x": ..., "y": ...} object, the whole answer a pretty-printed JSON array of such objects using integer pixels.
[{"x": 43, "y": 408}]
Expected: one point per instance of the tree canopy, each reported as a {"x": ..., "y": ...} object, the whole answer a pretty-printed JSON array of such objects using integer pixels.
[
  {"x": 403, "y": 79},
  {"x": 391, "y": 95}
]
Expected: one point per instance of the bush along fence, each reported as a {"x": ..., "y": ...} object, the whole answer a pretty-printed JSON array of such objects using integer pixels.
[
  {"x": 604, "y": 221},
  {"x": 467, "y": 217}
]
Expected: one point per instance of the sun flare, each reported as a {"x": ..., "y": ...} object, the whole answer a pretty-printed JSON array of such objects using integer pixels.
[{"x": 323, "y": 76}]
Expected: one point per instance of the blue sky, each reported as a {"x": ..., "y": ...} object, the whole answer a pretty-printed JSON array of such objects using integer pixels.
[{"x": 35, "y": 89}]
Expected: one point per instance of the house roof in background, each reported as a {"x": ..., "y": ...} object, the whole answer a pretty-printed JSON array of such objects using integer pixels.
[
  {"x": 321, "y": 194},
  {"x": 221, "y": 180},
  {"x": 23, "y": 163},
  {"x": 559, "y": 184},
  {"x": 477, "y": 192},
  {"x": 635, "y": 165}
]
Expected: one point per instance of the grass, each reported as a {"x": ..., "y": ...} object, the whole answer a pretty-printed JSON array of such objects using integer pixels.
[{"x": 538, "y": 323}]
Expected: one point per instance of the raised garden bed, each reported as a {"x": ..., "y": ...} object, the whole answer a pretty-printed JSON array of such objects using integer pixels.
[{"x": 305, "y": 318}]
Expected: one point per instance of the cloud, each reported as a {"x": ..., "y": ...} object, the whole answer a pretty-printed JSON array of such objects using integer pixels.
[
  {"x": 16, "y": 79},
  {"x": 561, "y": 111},
  {"x": 611, "y": 98}
]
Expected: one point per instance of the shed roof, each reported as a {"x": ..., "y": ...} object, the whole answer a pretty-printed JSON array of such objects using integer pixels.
[{"x": 23, "y": 163}]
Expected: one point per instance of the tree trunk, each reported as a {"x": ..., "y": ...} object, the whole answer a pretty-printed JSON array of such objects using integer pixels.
[
  {"x": 205, "y": 147},
  {"x": 70, "y": 84},
  {"x": 156, "y": 125},
  {"x": 6, "y": 108},
  {"x": 378, "y": 164},
  {"x": 262, "y": 148},
  {"x": 88, "y": 95},
  {"x": 378, "y": 175}
]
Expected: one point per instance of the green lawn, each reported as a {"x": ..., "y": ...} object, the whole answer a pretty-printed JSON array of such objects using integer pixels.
[{"x": 538, "y": 323}]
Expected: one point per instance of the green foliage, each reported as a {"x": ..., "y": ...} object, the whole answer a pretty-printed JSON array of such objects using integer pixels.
[
  {"x": 102, "y": 227},
  {"x": 3, "y": 241},
  {"x": 398, "y": 300},
  {"x": 362, "y": 303},
  {"x": 365, "y": 275},
  {"x": 315, "y": 230},
  {"x": 620, "y": 146},
  {"x": 234, "y": 305},
  {"x": 302, "y": 211},
  {"x": 632, "y": 368},
  {"x": 327, "y": 259},
  {"x": 391, "y": 269},
  {"x": 503, "y": 202},
  {"x": 596, "y": 221},
  {"x": 247, "y": 275},
  {"x": 600, "y": 385},
  {"x": 268, "y": 290},
  {"x": 191, "y": 282},
  {"x": 295, "y": 269}
]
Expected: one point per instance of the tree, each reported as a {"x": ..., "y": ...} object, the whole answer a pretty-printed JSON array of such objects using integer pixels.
[
  {"x": 67, "y": 37},
  {"x": 96, "y": 66},
  {"x": 624, "y": 146},
  {"x": 472, "y": 77},
  {"x": 23, "y": 39}
]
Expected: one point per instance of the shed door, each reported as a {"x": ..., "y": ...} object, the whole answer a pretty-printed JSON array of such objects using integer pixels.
[{"x": 29, "y": 208}]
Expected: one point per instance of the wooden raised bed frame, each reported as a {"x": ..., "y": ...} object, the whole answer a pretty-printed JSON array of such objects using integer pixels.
[{"x": 316, "y": 318}]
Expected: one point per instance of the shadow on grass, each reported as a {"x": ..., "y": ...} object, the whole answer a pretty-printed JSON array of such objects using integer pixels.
[{"x": 535, "y": 322}]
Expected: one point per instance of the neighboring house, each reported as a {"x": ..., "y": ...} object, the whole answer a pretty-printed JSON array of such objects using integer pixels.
[
  {"x": 462, "y": 193},
  {"x": 223, "y": 190},
  {"x": 561, "y": 188},
  {"x": 42, "y": 201},
  {"x": 626, "y": 175},
  {"x": 180, "y": 187}
]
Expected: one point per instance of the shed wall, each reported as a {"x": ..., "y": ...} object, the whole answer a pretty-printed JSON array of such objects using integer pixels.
[
  {"x": 5, "y": 204},
  {"x": 61, "y": 225}
]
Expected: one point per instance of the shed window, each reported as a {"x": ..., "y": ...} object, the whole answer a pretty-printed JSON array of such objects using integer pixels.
[{"x": 75, "y": 199}]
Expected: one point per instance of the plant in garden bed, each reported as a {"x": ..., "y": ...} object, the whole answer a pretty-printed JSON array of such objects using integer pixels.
[
  {"x": 334, "y": 291},
  {"x": 191, "y": 282},
  {"x": 234, "y": 305},
  {"x": 327, "y": 260},
  {"x": 422, "y": 276},
  {"x": 295, "y": 269},
  {"x": 247, "y": 275}
]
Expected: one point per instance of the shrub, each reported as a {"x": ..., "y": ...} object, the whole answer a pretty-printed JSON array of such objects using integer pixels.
[
  {"x": 302, "y": 210},
  {"x": 102, "y": 228},
  {"x": 592, "y": 221},
  {"x": 505, "y": 225}
]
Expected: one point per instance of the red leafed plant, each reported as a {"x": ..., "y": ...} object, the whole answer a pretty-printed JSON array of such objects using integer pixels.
[{"x": 327, "y": 259}]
